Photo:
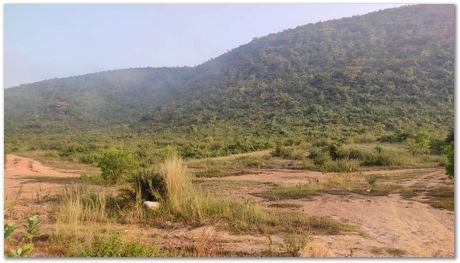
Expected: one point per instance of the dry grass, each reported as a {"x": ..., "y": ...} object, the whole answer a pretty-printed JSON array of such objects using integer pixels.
[
  {"x": 441, "y": 197},
  {"x": 80, "y": 204},
  {"x": 337, "y": 184},
  {"x": 70, "y": 213},
  {"x": 178, "y": 184},
  {"x": 10, "y": 201}
]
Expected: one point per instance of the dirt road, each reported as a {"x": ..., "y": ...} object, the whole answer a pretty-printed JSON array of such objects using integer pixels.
[
  {"x": 395, "y": 226},
  {"x": 31, "y": 176}
]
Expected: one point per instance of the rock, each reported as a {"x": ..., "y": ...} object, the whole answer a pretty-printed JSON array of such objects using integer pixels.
[{"x": 151, "y": 205}]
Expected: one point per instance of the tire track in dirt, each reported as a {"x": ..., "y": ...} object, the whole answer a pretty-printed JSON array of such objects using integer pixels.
[{"x": 415, "y": 228}]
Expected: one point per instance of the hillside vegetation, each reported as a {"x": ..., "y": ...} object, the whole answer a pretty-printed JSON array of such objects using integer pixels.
[{"x": 389, "y": 73}]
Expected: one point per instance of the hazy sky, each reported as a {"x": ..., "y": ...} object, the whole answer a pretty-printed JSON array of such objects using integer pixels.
[{"x": 45, "y": 41}]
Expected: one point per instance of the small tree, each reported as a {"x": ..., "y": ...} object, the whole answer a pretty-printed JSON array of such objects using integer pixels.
[{"x": 115, "y": 165}]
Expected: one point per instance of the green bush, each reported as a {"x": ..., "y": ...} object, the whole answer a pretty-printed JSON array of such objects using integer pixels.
[
  {"x": 89, "y": 158},
  {"x": 289, "y": 152},
  {"x": 168, "y": 151},
  {"x": 116, "y": 165},
  {"x": 353, "y": 153},
  {"x": 113, "y": 245},
  {"x": 92, "y": 179},
  {"x": 321, "y": 142},
  {"x": 322, "y": 159},
  {"x": 387, "y": 158},
  {"x": 450, "y": 160}
]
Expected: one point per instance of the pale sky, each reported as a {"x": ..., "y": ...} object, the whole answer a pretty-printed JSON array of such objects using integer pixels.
[{"x": 43, "y": 41}]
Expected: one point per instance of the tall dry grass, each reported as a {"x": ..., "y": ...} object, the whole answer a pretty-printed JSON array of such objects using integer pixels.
[
  {"x": 10, "y": 200},
  {"x": 70, "y": 212},
  {"x": 191, "y": 205},
  {"x": 80, "y": 205},
  {"x": 181, "y": 197}
]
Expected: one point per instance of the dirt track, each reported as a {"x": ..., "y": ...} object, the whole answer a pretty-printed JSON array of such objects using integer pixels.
[
  {"x": 31, "y": 176},
  {"x": 390, "y": 221}
]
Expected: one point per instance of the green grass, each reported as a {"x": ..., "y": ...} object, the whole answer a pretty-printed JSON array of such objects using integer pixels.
[
  {"x": 100, "y": 244},
  {"x": 292, "y": 192},
  {"x": 94, "y": 179}
]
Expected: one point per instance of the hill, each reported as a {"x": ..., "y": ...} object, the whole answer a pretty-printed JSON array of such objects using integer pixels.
[{"x": 387, "y": 71}]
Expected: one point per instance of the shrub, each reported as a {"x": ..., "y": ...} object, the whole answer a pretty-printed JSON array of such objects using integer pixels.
[
  {"x": 92, "y": 179},
  {"x": 250, "y": 161},
  {"x": 420, "y": 144},
  {"x": 89, "y": 158},
  {"x": 32, "y": 227},
  {"x": 347, "y": 166},
  {"x": 113, "y": 245},
  {"x": 364, "y": 138},
  {"x": 289, "y": 153},
  {"x": 321, "y": 142},
  {"x": 148, "y": 184},
  {"x": 372, "y": 180},
  {"x": 31, "y": 230},
  {"x": 396, "y": 137},
  {"x": 436, "y": 146},
  {"x": 387, "y": 158},
  {"x": 115, "y": 165},
  {"x": 293, "y": 244},
  {"x": 450, "y": 160},
  {"x": 322, "y": 159}
]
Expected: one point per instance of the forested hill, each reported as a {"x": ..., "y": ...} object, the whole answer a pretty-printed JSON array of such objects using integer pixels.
[{"x": 393, "y": 68}]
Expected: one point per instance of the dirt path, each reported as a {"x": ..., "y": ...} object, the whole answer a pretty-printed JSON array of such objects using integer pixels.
[
  {"x": 29, "y": 185},
  {"x": 31, "y": 176},
  {"x": 294, "y": 177},
  {"x": 394, "y": 226},
  {"x": 391, "y": 223}
]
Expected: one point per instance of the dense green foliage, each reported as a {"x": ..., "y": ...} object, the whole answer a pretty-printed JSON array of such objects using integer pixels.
[
  {"x": 449, "y": 153},
  {"x": 389, "y": 73},
  {"x": 116, "y": 165}
]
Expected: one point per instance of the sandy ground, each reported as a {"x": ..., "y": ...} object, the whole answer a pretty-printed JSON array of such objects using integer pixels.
[
  {"x": 31, "y": 176},
  {"x": 390, "y": 221}
]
